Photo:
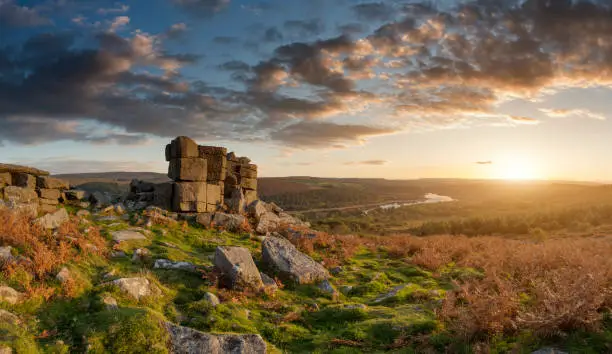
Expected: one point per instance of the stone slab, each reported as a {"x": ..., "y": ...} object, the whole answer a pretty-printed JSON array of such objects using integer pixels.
[
  {"x": 182, "y": 147},
  {"x": 51, "y": 183},
  {"x": 49, "y": 194},
  {"x": 248, "y": 183},
  {"x": 187, "y": 169}
]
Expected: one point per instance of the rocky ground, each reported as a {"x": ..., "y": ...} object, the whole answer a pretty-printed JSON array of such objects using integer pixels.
[{"x": 145, "y": 281}]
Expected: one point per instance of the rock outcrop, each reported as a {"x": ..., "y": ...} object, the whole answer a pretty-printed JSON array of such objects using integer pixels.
[
  {"x": 32, "y": 190},
  {"x": 136, "y": 287},
  {"x": 279, "y": 254},
  {"x": 185, "y": 340}
]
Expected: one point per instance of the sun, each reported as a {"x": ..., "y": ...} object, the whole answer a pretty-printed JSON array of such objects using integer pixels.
[{"x": 517, "y": 168}]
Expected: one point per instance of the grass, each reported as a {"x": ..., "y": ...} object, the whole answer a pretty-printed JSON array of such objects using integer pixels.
[{"x": 455, "y": 294}]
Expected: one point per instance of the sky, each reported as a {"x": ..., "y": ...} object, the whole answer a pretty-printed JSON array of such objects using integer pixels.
[{"x": 396, "y": 89}]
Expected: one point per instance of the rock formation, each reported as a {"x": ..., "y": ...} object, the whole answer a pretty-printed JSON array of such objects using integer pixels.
[
  {"x": 204, "y": 179},
  {"x": 33, "y": 190}
]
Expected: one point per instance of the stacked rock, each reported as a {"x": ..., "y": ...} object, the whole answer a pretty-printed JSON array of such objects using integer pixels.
[
  {"x": 189, "y": 171},
  {"x": 205, "y": 179},
  {"x": 33, "y": 190}
]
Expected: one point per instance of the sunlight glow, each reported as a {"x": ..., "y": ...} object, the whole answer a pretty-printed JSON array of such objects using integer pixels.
[{"x": 517, "y": 168}]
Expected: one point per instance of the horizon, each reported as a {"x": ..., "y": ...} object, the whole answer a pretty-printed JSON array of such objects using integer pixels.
[{"x": 367, "y": 89}]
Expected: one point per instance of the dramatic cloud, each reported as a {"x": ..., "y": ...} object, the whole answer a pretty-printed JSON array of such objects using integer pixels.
[
  {"x": 119, "y": 9},
  {"x": 13, "y": 15},
  {"x": 581, "y": 113},
  {"x": 419, "y": 67}
]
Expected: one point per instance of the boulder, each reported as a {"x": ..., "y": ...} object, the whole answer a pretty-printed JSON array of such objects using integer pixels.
[
  {"x": 237, "y": 269},
  {"x": 127, "y": 235},
  {"x": 74, "y": 194},
  {"x": 8, "y": 317},
  {"x": 140, "y": 255},
  {"x": 236, "y": 202},
  {"x": 24, "y": 180},
  {"x": 110, "y": 303},
  {"x": 230, "y": 222},
  {"x": 5, "y": 254},
  {"x": 185, "y": 340},
  {"x": 45, "y": 182},
  {"x": 212, "y": 299},
  {"x": 187, "y": 169},
  {"x": 83, "y": 213},
  {"x": 137, "y": 288},
  {"x": 268, "y": 222},
  {"x": 52, "y": 202},
  {"x": 280, "y": 254},
  {"x": 257, "y": 209},
  {"x": 168, "y": 264},
  {"x": 53, "y": 220},
  {"x": 327, "y": 288},
  {"x": 139, "y": 186},
  {"x": 9, "y": 295}
]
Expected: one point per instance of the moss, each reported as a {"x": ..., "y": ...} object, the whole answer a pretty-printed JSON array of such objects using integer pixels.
[{"x": 18, "y": 337}]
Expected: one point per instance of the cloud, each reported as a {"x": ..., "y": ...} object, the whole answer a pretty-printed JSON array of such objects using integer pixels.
[
  {"x": 118, "y": 23},
  {"x": 324, "y": 134},
  {"x": 352, "y": 28},
  {"x": 375, "y": 11},
  {"x": 304, "y": 28},
  {"x": 203, "y": 8},
  {"x": 119, "y": 9},
  {"x": 523, "y": 120},
  {"x": 225, "y": 40},
  {"x": 14, "y": 15},
  {"x": 367, "y": 162},
  {"x": 484, "y": 162},
  {"x": 272, "y": 34},
  {"x": 581, "y": 113},
  {"x": 176, "y": 31}
]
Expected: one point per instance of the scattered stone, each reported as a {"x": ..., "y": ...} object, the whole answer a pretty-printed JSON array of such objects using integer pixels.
[
  {"x": 119, "y": 208},
  {"x": 5, "y": 254},
  {"x": 118, "y": 254},
  {"x": 140, "y": 255},
  {"x": 53, "y": 220},
  {"x": 64, "y": 275},
  {"x": 75, "y": 194},
  {"x": 83, "y": 213},
  {"x": 548, "y": 350},
  {"x": 326, "y": 287},
  {"x": 8, "y": 317},
  {"x": 281, "y": 255},
  {"x": 268, "y": 282},
  {"x": 136, "y": 287},
  {"x": 107, "y": 218},
  {"x": 355, "y": 306},
  {"x": 185, "y": 340},
  {"x": 204, "y": 219},
  {"x": 110, "y": 303},
  {"x": 336, "y": 270},
  {"x": 127, "y": 235},
  {"x": 212, "y": 299},
  {"x": 229, "y": 222},
  {"x": 10, "y": 295},
  {"x": 237, "y": 269},
  {"x": 168, "y": 264},
  {"x": 390, "y": 294}
]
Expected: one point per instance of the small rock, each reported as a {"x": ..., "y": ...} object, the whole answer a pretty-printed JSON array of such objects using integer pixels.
[
  {"x": 390, "y": 294},
  {"x": 346, "y": 289},
  {"x": 83, "y": 213},
  {"x": 53, "y": 220},
  {"x": 5, "y": 254},
  {"x": 168, "y": 264},
  {"x": 119, "y": 208},
  {"x": 118, "y": 254},
  {"x": 326, "y": 287},
  {"x": 63, "y": 275},
  {"x": 74, "y": 194},
  {"x": 268, "y": 282},
  {"x": 136, "y": 287},
  {"x": 126, "y": 235},
  {"x": 8, "y": 317},
  {"x": 548, "y": 350},
  {"x": 204, "y": 219},
  {"x": 230, "y": 222},
  {"x": 336, "y": 270},
  {"x": 107, "y": 218},
  {"x": 110, "y": 303},
  {"x": 212, "y": 299},
  {"x": 140, "y": 255},
  {"x": 10, "y": 295},
  {"x": 355, "y": 306}
]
